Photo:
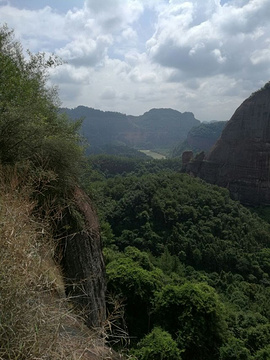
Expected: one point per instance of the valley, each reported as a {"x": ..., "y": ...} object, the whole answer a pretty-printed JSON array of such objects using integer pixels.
[{"x": 153, "y": 154}]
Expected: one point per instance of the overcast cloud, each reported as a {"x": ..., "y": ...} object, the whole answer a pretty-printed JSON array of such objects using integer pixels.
[{"x": 204, "y": 56}]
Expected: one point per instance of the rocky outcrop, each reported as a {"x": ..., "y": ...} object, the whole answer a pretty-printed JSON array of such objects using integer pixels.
[
  {"x": 240, "y": 159},
  {"x": 82, "y": 259}
]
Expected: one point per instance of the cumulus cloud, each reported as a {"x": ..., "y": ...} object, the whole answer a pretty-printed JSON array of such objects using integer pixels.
[
  {"x": 202, "y": 39},
  {"x": 131, "y": 55},
  {"x": 35, "y": 28},
  {"x": 85, "y": 51}
]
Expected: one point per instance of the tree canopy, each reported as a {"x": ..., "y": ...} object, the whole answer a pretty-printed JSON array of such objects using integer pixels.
[{"x": 190, "y": 265}]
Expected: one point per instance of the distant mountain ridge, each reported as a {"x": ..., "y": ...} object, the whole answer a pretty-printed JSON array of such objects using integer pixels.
[{"x": 157, "y": 128}]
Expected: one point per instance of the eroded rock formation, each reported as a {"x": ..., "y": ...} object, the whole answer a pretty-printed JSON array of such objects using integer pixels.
[
  {"x": 82, "y": 259},
  {"x": 240, "y": 159}
]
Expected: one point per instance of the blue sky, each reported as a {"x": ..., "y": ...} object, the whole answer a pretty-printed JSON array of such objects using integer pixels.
[{"x": 204, "y": 56}]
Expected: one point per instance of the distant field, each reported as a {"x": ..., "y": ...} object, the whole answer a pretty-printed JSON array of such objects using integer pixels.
[{"x": 153, "y": 154}]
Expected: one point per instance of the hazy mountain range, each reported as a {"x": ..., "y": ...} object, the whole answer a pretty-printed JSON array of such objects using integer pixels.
[{"x": 155, "y": 129}]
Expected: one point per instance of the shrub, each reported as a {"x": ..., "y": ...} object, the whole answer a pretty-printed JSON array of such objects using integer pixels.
[
  {"x": 32, "y": 133},
  {"x": 158, "y": 345},
  {"x": 234, "y": 350}
]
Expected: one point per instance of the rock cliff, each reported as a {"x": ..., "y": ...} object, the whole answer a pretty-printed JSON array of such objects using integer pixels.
[
  {"x": 82, "y": 259},
  {"x": 240, "y": 159}
]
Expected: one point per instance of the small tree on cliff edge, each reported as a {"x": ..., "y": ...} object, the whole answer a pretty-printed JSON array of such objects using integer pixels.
[{"x": 33, "y": 136}]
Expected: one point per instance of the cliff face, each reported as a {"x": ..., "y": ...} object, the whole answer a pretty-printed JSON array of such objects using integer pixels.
[
  {"x": 82, "y": 261},
  {"x": 240, "y": 159}
]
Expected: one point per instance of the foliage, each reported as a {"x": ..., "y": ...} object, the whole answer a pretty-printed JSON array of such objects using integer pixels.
[
  {"x": 212, "y": 292},
  {"x": 194, "y": 316},
  {"x": 258, "y": 337},
  {"x": 101, "y": 167},
  {"x": 33, "y": 135},
  {"x": 195, "y": 221},
  {"x": 157, "y": 345},
  {"x": 234, "y": 350},
  {"x": 40, "y": 160},
  {"x": 135, "y": 281},
  {"x": 263, "y": 354}
]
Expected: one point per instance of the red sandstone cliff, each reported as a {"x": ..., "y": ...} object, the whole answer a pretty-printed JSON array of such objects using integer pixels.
[{"x": 240, "y": 159}]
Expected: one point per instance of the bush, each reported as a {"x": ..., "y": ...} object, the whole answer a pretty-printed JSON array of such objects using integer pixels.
[
  {"x": 32, "y": 133},
  {"x": 158, "y": 345},
  {"x": 194, "y": 316},
  {"x": 136, "y": 286},
  {"x": 234, "y": 350},
  {"x": 263, "y": 354}
]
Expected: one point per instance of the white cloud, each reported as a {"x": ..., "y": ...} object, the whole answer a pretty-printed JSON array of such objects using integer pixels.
[
  {"x": 35, "y": 28},
  {"x": 85, "y": 51},
  {"x": 108, "y": 94},
  {"x": 209, "y": 39},
  {"x": 131, "y": 55},
  {"x": 261, "y": 57}
]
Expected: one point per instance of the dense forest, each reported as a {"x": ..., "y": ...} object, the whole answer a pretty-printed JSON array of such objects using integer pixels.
[{"x": 189, "y": 265}]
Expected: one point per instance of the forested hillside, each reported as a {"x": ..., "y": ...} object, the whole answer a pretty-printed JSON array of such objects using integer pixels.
[
  {"x": 189, "y": 265},
  {"x": 155, "y": 129},
  {"x": 200, "y": 138}
]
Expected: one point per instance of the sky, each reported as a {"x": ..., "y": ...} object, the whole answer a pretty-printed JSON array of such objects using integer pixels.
[{"x": 203, "y": 56}]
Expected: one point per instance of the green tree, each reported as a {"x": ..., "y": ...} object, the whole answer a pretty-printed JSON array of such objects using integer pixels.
[
  {"x": 33, "y": 136},
  {"x": 258, "y": 337},
  {"x": 136, "y": 286},
  {"x": 194, "y": 316},
  {"x": 234, "y": 350},
  {"x": 263, "y": 354},
  {"x": 157, "y": 345}
]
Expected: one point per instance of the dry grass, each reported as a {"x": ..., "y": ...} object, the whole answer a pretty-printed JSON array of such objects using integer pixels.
[{"x": 36, "y": 320}]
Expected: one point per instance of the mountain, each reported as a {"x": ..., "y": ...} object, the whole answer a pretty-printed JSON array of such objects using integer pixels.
[
  {"x": 200, "y": 138},
  {"x": 157, "y": 128},
  {"x": 240, "y": 160}
]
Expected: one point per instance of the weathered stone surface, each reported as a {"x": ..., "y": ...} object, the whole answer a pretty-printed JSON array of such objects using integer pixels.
[
  {"x": 82, "y": 260},
  {"x": 240, "y": 159}
]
